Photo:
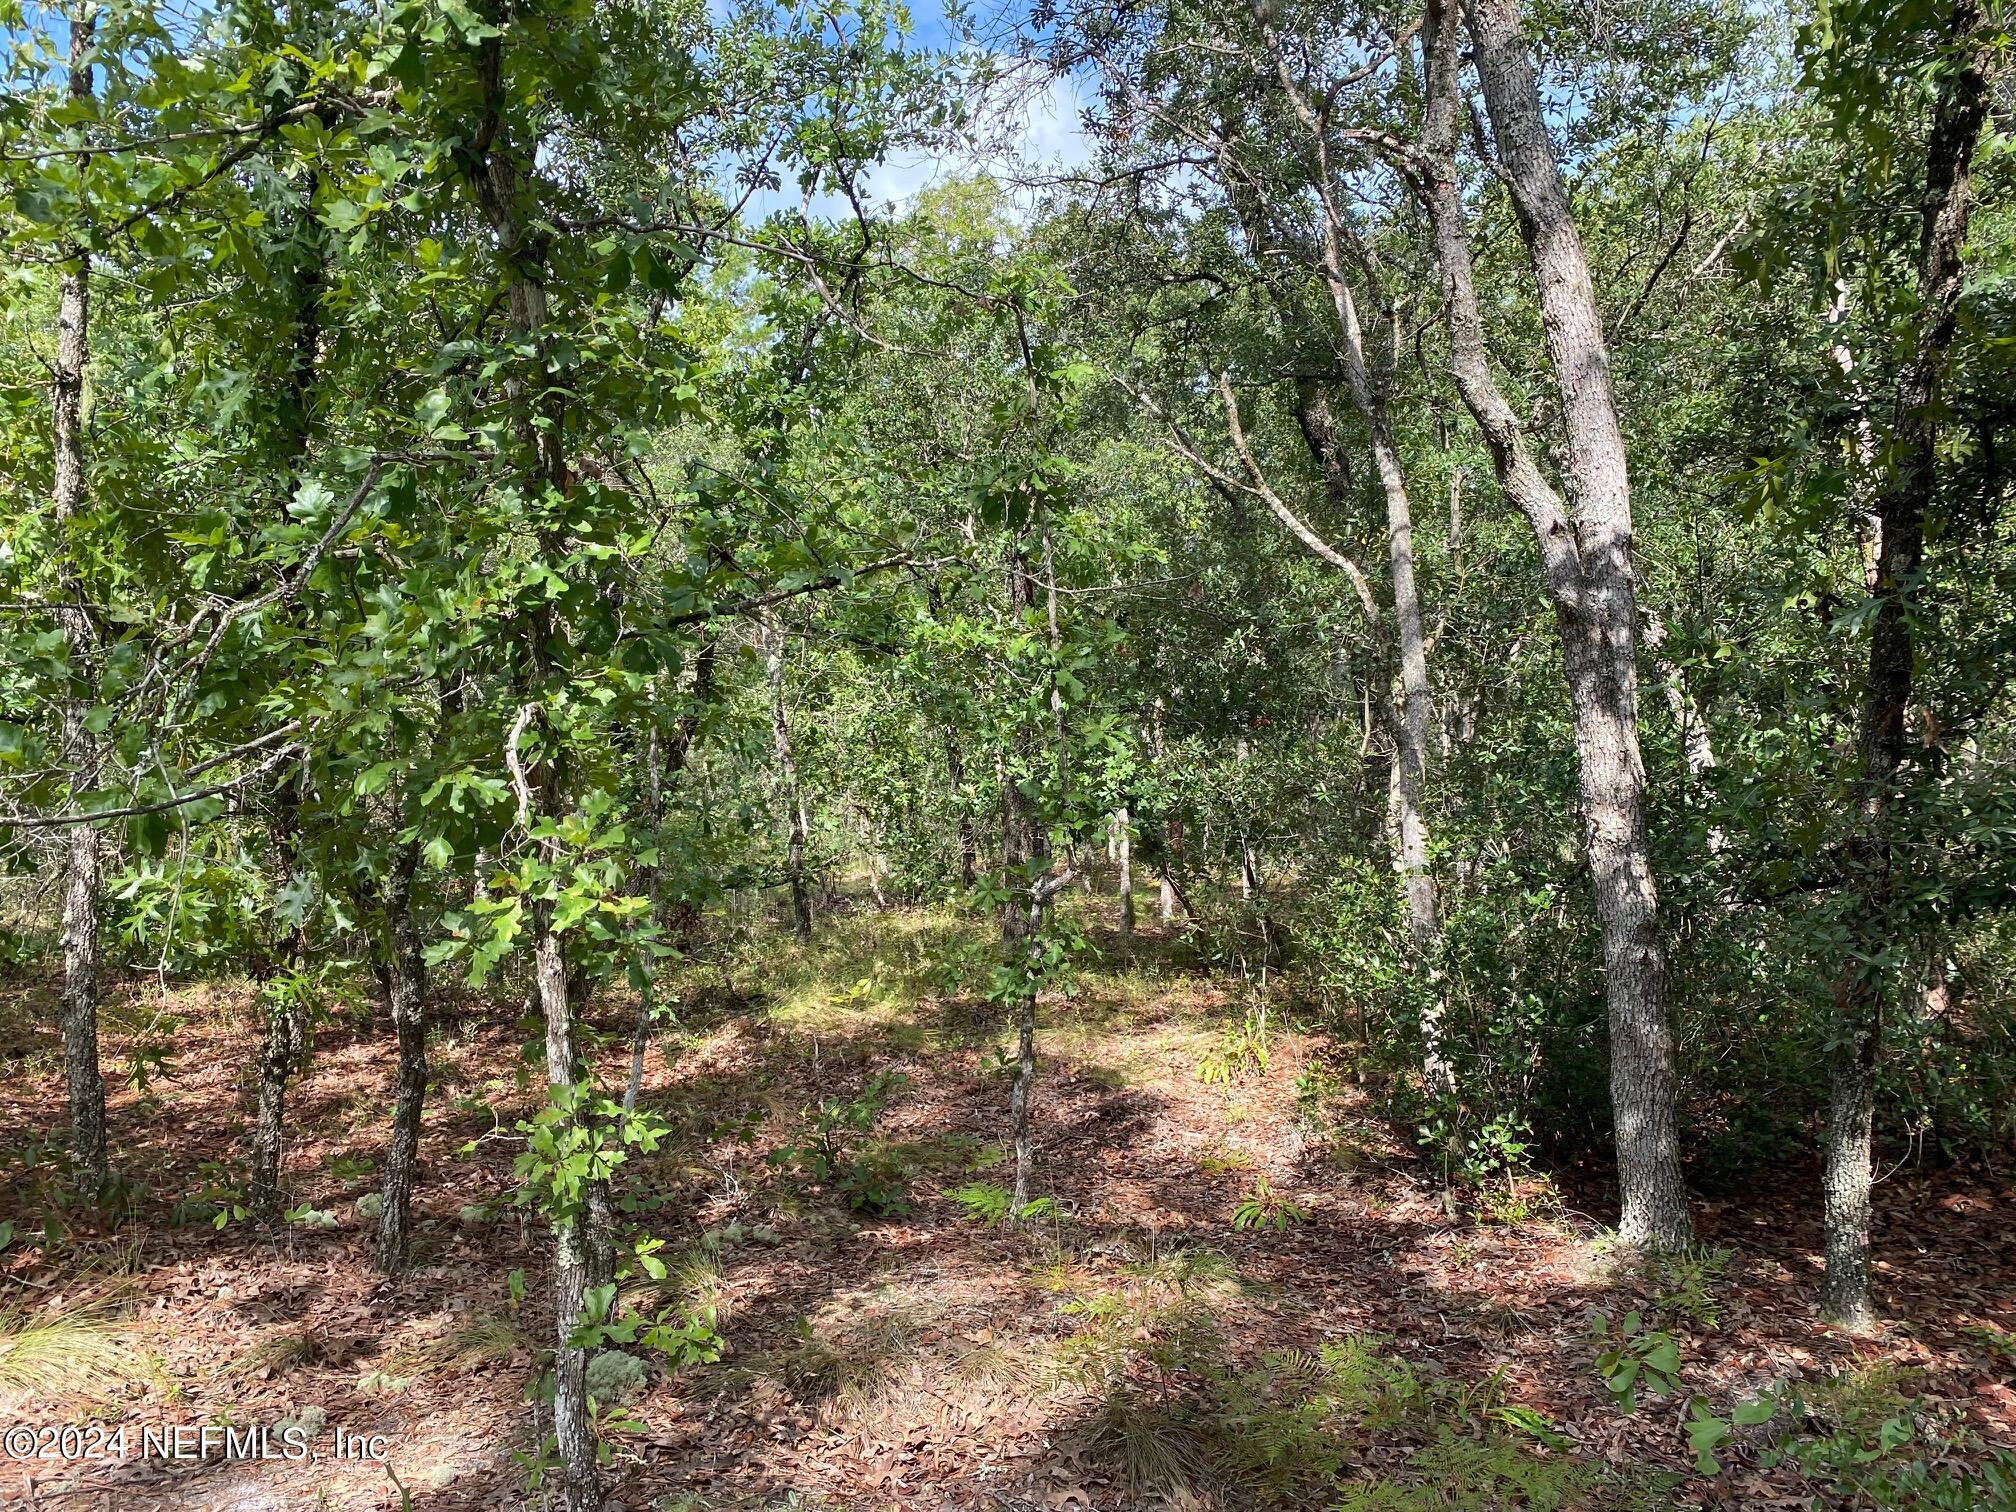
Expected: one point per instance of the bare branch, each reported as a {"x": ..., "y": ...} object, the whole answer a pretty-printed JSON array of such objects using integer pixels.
[{"x": 60, "y": 821}]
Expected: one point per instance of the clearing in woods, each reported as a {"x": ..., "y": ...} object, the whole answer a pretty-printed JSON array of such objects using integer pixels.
[{"x": 1242, "y": 1285}]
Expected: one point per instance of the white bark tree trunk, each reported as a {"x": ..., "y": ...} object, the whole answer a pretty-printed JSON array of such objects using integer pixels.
[
  {"x": 1586, "y": 563},
  {"x": 1123, "y": 845},
  {"x": 81, "y": 856}
]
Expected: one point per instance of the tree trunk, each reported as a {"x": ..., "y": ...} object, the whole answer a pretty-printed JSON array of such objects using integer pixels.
[
  {"x": 1901, "y": 511},
  {"x": 1417, "y": 708},
  {"x": 279, "y": 1051},
  {"x": 787, "y": 782},
  {"x": 286, "y": 1029},
  {"x": 1022, "y": 844},
  {"x": 1123, "y": 843},
  {"x": 1586, "y": 565},
  {"x": 955, "y": 775},
  {"x": 79, "y": 1004},
  {"x": 1409, "y": 643},
  {"x": 405, "y": 975},
  {"x": 495, "y": 169},
  {"x": 285, "y": 1033}
]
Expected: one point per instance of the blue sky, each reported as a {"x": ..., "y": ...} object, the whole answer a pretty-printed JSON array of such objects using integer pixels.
[{"x": 1037, "y": 126}]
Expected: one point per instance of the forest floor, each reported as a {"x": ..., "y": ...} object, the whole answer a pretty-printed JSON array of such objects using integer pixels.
[{"x": 1131, "y": 1348}]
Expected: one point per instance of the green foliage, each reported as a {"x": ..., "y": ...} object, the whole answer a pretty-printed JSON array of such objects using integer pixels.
[
  {"x": 1263, "y": 1207},
  {"x": 683, "y": 1338},
  {"x": 219, "y": 1200},
  {"x": 991, "y": 1203},
  {"x": 1685, "y": 1284},
  {"x": 1631, "y": 1356},
  {"x": 1241, "y": 1051},
  {"x": 463, "y": 395},
  {"x": 986, "y": 1201},
  {"x": 836, "y": 1150}
]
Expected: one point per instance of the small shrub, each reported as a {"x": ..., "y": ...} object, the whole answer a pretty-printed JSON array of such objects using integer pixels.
[
  {"x": 219, "y": 1200},
  {"x": 1240, "y": 1051},
  {"x": 1684, "y": 1283},
  {"x": 1632, "y": 1356},
  {"x": 991, "y": 1203},
  {"x": 1263, "y": 1207},
  {"x": 1220, "y": 1159},
  {"x": 836, "y": 1152}
]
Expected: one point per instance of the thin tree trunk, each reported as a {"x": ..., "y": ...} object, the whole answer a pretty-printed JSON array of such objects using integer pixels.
[
  {"x": 1417, "y": 709},
  {"x": 1411, "y": 841},
  {"x": 1587, "y": 568},
  {"x": 284, "y": 1037},
  {"x": 286, "y": 1030},
  {"x": 406, "y": 990},
  {"x": 1021, "y": 844},
  {"x": 279, "y": 1052},
  {"x": 496, "y": 179},
  {"x": 1901, "y": 511},
  {"x": 79, "y": 1009},
  {"x": 1123, "y": 843},
  {"x": 787, "y": 782}
]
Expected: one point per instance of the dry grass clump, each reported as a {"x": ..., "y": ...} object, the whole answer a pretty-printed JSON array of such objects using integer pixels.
[
  {"x": 279, "y": 1353},
  {"x": 68, "y": 1352},
  {"x": 852, "y": 1368},
  {"x": 469, "y": 1344}
]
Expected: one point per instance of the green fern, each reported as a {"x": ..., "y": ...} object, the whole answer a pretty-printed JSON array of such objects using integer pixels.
[{"x": 988, "y": 1202}]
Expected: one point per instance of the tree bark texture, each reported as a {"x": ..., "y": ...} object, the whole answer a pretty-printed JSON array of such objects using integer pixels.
[
  {"x": 1123, "y": 844},
  {"x": 1586, "y": 565},
  {"x": 81, "y": 858},
  {"x": 405, "y": 979},
  {"x": 1408, "y": 642},
  {"x": 284, "y": 1038}
]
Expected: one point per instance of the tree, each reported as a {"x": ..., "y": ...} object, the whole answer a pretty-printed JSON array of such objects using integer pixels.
[
  {"x": 1586, "y": 564},
  {"x": 80, "y": 744},
  {"x": 1904, "y": 500}
]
